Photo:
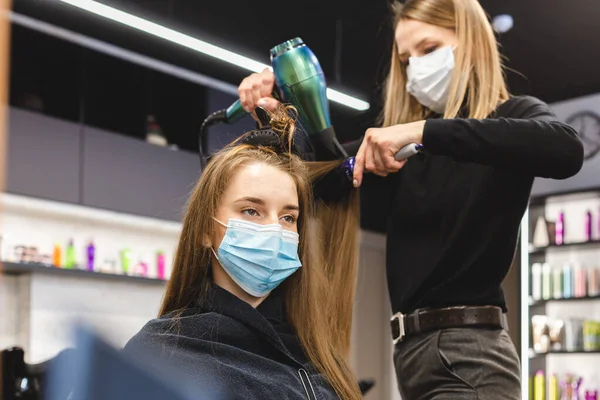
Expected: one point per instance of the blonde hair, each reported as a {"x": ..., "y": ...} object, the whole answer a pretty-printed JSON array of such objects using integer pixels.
[
  {"x": 477, "y": 63},
  {"x": 320, "y": 295}
]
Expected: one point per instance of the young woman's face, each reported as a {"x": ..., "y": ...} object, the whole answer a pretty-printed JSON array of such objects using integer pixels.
[
  {"x": 416, "y": 39},
  {"x": 257, "y": 193},
  {"x": 261, "y": 194}
]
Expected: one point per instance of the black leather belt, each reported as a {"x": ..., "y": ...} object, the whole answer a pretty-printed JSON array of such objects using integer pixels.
[{"x": 442, "y": 318}]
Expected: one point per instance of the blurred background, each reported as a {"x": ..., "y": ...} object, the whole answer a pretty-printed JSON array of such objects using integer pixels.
[{"x": 102, "y": 151}]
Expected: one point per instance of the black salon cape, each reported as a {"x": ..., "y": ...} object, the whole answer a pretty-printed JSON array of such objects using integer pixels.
[{"x": 225, "y": 343}]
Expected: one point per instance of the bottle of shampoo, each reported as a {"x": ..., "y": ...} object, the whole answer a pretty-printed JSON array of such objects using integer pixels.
[
  {"x": 91, "y": 250},
  {"x": 546, "y": 281},
  {"x": 589, "y": 236},
  {"x": 539, "y": 386},
  {"x": 160, "y": 265},
  {"x": 536, "y": 281},
  {"x": 560, "y": 229},
  {"x": 56, "y": 256},
  {"x": 70, "y": 260},
  {"x": 553, "y": 388}
]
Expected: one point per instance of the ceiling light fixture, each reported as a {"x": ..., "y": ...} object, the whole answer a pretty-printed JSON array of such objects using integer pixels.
[
  {"x": 502, "y": 23},
  {"x": 197, "y": 45}
]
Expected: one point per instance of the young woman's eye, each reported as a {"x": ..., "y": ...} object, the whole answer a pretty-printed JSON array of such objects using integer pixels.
[
  {"x": 430, "y": 49},
  {"x": 290, "y": 219},
  {"x": 251, "y": 212}
]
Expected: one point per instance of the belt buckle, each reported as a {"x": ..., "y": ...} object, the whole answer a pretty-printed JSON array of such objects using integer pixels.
[{"x": 401, "y": 331}]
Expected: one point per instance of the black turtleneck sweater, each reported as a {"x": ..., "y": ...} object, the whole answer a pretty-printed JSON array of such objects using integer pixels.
[{"x": 456, "y": 209}]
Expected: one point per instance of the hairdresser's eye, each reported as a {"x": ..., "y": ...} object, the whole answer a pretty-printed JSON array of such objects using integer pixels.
[
  {"x": 290, "y": 219},
  {"x": 430, "y": 49},
  {"x": 251, "y": 212}
]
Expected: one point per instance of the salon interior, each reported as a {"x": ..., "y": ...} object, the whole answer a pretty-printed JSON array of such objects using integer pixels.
[{"x": 101, "y": 130}]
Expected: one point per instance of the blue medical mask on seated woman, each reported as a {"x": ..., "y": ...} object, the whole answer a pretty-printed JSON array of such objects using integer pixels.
[
  {"x": 429, "y": 78},
  {"x": 258, "y": 257}
]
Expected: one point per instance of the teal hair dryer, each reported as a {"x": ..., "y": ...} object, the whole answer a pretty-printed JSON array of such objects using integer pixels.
[{"x": 300, "y": 82}]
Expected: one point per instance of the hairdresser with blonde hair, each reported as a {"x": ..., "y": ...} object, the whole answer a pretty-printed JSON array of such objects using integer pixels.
[{"x": 455, "y": 209}]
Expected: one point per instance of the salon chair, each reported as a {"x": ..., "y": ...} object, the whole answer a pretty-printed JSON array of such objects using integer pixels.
[{"x": 22, "y": 381}]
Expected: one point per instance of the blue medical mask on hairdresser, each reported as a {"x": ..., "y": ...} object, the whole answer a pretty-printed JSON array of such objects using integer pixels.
[
  {"x": 429, "y": 78},
  {"x": 258, "y": 257}
]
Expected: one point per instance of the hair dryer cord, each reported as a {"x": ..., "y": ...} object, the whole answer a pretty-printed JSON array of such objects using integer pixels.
[{"x": 212, "y": 119}]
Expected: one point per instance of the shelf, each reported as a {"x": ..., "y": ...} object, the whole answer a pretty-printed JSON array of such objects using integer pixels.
[
  {"x": 533, "y": 354},
  {"x": 534, "y": 303},
  {"x": 10, "y": 268},
  {"x": 542, "y": 250}
]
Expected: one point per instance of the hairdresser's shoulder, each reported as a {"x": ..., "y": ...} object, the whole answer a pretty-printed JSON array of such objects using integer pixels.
[{"x": 522, "y": 107}]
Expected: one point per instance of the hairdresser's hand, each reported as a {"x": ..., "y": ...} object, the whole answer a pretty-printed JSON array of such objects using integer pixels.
[
  {"x": 255, "y": 90},
  {"x": 380, "y": 145}
]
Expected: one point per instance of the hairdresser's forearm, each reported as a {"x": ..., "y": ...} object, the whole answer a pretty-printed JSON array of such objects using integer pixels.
[{"x": 540, "y": 146}]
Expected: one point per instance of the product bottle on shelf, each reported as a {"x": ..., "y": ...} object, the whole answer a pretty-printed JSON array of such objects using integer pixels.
[
  {"x": 541, "y": 238},
  {"x": 536, "y": 281},
  {"x": 126, "y": 261},
  {"x": 160, "y": 265},
  {"x": 546, "y": 281},
  {"x": 579, "y": 277},
  {"x": 56, "y": 256},
  {"x": 589, "y": 236},
  {"x": 154, "y": 133},
  {"x": 557, "y": 284},
  {"x": 560, "y": 229},
  {"x": 70, "y": 260},
  {"x": 553, "y": 388},
  {"x": 91, "y": 250},
  {"x": 593, "y": 282},
  {"x": 539, "y": 386},
  {"x": 567, "y": 281}
]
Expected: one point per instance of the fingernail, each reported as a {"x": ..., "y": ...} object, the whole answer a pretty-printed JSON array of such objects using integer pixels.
[
  {"x": 247, "y": 109},
  {"x": 355, "y": 183},
  {"x": 262, "y": 102}
]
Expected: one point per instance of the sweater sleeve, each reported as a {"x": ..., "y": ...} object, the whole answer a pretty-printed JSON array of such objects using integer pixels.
[{"x": 526, "y": 136}]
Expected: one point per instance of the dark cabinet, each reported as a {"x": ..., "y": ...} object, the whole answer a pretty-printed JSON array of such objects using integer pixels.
[
  {"x": 124, "y": 174},
  {"x": 58, "y": 160},
  {"x": 43, "y": 156}
]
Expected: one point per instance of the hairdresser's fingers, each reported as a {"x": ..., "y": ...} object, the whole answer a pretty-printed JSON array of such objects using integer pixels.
[
  {"x": 359, "y": 164},
  {"x": 267, "y": 82},
  {"x": 268, "y": 102},
  {"x": 371, "y": 163},
  {"x": 243, "y": 94},
  {"x": 378, "y": 160},
  {"x": 256, "y": 96},
  {"x": 245, "y": 91}
]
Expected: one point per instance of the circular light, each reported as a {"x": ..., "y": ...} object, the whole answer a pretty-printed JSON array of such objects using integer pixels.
[{"x": 502, "y": 23}]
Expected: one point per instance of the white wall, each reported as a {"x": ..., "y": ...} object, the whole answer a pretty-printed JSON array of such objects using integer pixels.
[{"x": 371, "y": 340}]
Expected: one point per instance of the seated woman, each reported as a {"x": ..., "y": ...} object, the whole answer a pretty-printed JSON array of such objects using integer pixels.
[{"x": 260, "y": 297}]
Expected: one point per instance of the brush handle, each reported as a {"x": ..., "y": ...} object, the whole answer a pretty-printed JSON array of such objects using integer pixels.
[{"x": 408, "y": 151}]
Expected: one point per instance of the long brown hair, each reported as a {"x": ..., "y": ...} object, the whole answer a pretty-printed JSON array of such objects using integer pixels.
[
  {"x": 477, "y": 62},
  {"x": 319, "y": 296}
]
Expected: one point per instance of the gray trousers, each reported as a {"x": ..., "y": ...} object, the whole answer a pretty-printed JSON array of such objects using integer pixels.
[{"x": 457, "y": 364}]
